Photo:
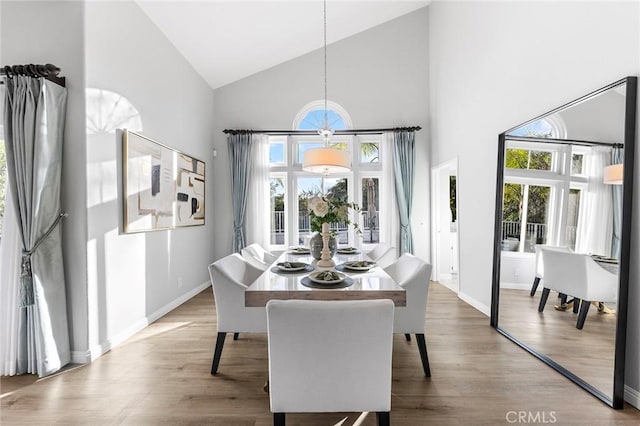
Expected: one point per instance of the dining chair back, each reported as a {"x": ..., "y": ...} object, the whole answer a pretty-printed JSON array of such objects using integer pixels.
[
  {"x": 230, "y": 277},
  {"x": 540, "y": 264},
  {"x": 257, "y": 251},
  {"x": 580, "y": 276},
  {"x": 330, "y": 356},
  {"x": 383, "y": 254},
  {"x": 412, "y": 274}
]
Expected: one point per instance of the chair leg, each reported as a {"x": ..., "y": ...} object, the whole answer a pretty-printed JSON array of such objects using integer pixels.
[
  {"x": 584, "y": 308},
  {"x": 384, "y": 418},
  {"x": 407, "y": 337},
  {"x": 543, "y": 299},
  {"x": 576, "y": 305},
  {"x": 278, "y": 419},
  {"x": 534, "y": 287},
  {"x": 235, "y": 336},
  {"x": 422, "y": 347},
  {"x": 217, "y": 352}
]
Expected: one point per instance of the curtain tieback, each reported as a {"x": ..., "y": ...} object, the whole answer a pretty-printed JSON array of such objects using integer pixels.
[{"x": 26, "y": 275}]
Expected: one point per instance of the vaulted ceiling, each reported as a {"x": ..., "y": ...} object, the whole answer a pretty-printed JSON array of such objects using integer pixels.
[{"x": 228, "y": 40}]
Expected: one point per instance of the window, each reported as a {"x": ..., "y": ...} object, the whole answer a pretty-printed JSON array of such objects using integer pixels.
[
  {"x": 543, "y": 188},
  {"x": 291, "y": 187}
]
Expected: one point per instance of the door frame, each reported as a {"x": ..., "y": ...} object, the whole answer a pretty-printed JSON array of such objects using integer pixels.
[{"x": 436, "y": 171}]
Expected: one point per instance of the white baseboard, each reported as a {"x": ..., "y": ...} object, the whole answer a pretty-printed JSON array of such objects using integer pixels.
[
  {"x": 453, "y": 286},
  {"x": 475, "y": 303},
  {"x": 80, "y": 357},
  {"x": 518, "y": 286},
  {"x": 632, "y": 396}
]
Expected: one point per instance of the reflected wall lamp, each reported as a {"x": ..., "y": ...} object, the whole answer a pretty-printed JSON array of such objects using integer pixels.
[
  {"x": 325, "y": 160},
  {"x": 613, "y": 175}
]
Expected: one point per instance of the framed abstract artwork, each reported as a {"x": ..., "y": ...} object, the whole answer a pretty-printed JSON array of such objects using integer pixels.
[{"x": 162, "y": 188}]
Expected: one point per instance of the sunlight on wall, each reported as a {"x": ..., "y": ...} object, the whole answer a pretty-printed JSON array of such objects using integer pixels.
[
  {"x": 106, "y": 112},
  {"x": 125, "y": 274}
]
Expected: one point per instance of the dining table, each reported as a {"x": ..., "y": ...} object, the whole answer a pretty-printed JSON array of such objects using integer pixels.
[{"x": 278, "y": 283}]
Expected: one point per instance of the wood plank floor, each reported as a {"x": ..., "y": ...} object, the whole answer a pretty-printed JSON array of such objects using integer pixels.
[
  {"x": 589, "y": 353},
  {"x": 161, "y": 377}
]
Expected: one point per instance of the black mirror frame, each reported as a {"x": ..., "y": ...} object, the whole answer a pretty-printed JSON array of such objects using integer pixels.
[{"x": 616, "y": 401}]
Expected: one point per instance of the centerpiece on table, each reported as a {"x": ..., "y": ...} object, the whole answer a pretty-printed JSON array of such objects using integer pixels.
[{"x": 322, "y": 212}]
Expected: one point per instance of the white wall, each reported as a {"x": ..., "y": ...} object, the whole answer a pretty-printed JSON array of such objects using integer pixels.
[
  {"x": 379, "y": 76},
  {"x": 117, "y": 283},
  {"x": 52, "y": 32},
  {"x": 136, "y": 277},
  {"x": 496, "y": 64}
]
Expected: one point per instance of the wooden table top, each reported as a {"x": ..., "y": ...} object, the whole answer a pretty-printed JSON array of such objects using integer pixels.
[{"x": 373, "y": 284}]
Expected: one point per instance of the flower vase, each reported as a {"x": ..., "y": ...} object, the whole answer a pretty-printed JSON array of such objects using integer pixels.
[{"x": 315, "y": 245}]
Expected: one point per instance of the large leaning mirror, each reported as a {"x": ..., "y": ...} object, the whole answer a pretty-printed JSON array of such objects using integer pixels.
[{"x": 562, "y": 226}]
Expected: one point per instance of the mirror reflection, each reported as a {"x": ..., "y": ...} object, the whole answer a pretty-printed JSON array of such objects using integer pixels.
[{"x": 561, "y": 230}]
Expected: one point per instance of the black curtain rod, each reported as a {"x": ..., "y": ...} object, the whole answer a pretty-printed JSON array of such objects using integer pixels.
[
  {"x": 562, "y": 141},
  {"x": 48, "y": 71},
  {"x": 314, "y": 132}
]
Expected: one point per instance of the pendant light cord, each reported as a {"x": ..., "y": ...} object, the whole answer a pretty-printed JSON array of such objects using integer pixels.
[{"x": 326, "y": 119}]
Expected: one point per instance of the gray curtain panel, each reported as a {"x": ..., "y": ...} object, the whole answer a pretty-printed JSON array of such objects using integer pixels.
[
  {"x": 34, "y": 117},
  {"x": 403, "y": 166},
  {"x": 617, "y": 157},
  {"x": 240, "y": 147}
]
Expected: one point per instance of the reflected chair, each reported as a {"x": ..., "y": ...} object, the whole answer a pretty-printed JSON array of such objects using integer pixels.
[
  {"x": 580, "y": 276},
  {"x": 330, "y": 356},
  {"x": 383, "y": 254},
  {"x": 230, "y": 277},
  {"x": 540, "y": 265},
  {"x": 412, "y": 274},
  {"x": 258, "y": 256}
]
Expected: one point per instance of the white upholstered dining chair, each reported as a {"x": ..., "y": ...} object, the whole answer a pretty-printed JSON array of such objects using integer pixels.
[
  {"x": 330, "y": 356},
  {"x": 580, "y": 276},
  {"x": 383, "y": 254},
  {"x": 258, "y": 256},
  {"x": 412, "y": 273},
  {"x": 540, "y": 265},
  {"x": 230, "y": 276}
]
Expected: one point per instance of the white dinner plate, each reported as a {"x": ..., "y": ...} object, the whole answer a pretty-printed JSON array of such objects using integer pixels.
[
  {"x": 348, "y": 250},
  {"x": 317, "y": 277},
  {"x": 359, "y": 265},
  {"x": 299, "y": 250},
  {"x": 291, "y": 266}
]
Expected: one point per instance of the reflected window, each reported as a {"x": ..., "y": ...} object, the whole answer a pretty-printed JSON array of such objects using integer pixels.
[
  {"x": 528, "y": 159},
  {"x": 525, "y": 213},
  {"x": 573, "y": 212},
  {"x": 577, "y": 164}
]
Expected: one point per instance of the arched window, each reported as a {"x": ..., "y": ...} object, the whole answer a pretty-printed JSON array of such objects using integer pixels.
[
  {"x": 311, "y": 117},
  {"x": 548, "y": 127},
  {"x": 291, "y": 187}
]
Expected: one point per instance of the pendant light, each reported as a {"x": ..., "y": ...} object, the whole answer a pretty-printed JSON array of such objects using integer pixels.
[
  {"x": 325, "y": 160},
  {"x": 613, "y": 174}
]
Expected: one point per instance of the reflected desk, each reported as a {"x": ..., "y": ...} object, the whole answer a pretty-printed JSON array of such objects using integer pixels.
[{"x": 373, "y": 284}]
